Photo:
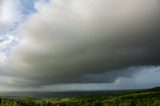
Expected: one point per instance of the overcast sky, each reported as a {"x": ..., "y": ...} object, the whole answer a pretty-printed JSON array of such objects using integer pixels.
[{"x": 66, "y": 45}]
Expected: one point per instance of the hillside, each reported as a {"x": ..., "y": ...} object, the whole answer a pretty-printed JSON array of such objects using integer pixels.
[{"x": 149, "y": 97}]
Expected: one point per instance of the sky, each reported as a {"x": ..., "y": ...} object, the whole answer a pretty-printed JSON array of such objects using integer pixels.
[{"x": 74, "y": 45}]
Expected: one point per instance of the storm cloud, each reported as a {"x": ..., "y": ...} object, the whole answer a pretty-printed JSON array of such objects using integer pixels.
[{"x": 65, "y": 41}]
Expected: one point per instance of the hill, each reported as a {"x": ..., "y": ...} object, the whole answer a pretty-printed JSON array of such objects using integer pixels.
[{"x": 147, "y": 97}]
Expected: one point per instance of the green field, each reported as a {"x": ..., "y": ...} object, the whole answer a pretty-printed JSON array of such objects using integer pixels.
[{"x": 150, "y": 97}]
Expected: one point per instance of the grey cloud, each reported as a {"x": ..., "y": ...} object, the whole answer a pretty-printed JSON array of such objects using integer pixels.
[
  {"x": 111, "y": 76},
  {"x": 134, "y": 78},
  {"x": 64, "y": 42},
  {"x": 1, "y": 3}
]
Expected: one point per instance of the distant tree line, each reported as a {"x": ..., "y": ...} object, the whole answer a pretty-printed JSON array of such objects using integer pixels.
[{"x": 146, "y": 98}]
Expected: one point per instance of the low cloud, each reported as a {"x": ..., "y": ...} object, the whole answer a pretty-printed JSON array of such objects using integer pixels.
[
  {"x": 67, "y": 40},
  {"x": 134, "y": 78}
]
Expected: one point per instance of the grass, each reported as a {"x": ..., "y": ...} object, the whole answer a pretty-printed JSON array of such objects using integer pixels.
[{"x": 149, "y": 97}]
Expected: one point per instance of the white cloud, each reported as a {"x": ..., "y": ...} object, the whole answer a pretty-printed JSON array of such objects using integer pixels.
[
  {"x": 9, "y": 14},
  {"x": 6, "y": 42}
]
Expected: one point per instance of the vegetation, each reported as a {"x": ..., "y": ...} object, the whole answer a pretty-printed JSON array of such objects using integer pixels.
[{"x": 141, "y": 98}]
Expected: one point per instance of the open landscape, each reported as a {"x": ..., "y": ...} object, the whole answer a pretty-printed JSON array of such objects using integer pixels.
[
  {"x": 147, "y": 97},
  {"x": 79, "y": 52}
]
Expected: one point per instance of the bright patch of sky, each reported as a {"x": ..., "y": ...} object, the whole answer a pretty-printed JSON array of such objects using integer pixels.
[{"x": 12, "y": 14}]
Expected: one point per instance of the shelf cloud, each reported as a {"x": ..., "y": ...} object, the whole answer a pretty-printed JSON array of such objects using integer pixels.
[{"x": 76, "y": 41}]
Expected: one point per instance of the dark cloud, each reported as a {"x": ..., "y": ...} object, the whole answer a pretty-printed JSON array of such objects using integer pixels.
[{"x": 65, "y": 42}]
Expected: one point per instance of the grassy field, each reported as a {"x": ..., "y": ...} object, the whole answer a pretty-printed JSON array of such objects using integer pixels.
[{"x": 150, "y": 97}]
